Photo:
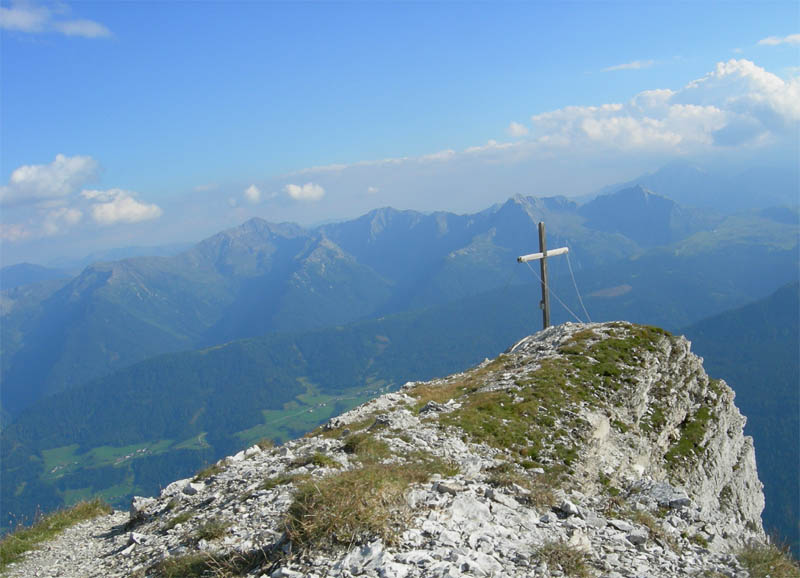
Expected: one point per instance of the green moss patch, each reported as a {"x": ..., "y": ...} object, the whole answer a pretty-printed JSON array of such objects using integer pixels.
[{"x": 693, "y": 429}]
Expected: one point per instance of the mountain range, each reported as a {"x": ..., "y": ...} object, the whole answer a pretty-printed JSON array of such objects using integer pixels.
[
  {"x": 262, "y": 277},
  {"x": 138, "y": 371}
]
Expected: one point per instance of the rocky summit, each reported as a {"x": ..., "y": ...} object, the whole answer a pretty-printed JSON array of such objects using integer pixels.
[{"x": 584, "y": 450}]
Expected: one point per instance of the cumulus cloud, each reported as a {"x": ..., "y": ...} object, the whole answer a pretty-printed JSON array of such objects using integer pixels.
[
  {"x": 57, "y": 220},
  {"x": 775, "y": 40},
  {"x": 13, "y": 232},
  {"x": 491, "y": 145},
  {"x": 36, "y": 19},
  {"x": 635, "y": 65},
  {"x": 118, "y": 206},
  {"x": 83, "y": 28},
  {"x": 24, "y": 17},
  {"x": 737, "y": 103},
  {"x": 36, "y": 183},
  {"x": 444, "y": 155},
  {"x": 306, "y": 192},
  {"x": 32, "y": 18},
  {"x": 252, "y": 194},
  {"x": 517, "y": 129}
]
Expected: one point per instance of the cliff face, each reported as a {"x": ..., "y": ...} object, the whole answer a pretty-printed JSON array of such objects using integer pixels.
[{"x": 584, "y": 450}]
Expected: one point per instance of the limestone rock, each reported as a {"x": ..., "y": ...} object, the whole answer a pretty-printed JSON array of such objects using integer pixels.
[{"x": 551, "y": 446}]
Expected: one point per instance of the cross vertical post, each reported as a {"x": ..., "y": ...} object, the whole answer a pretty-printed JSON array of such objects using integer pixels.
[
  {"x": 542, "y": 256},
  {"x": 545, "y": 302}
]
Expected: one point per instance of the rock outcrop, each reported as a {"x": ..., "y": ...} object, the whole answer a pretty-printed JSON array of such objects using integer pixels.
[{"x": 584, "y": 450}]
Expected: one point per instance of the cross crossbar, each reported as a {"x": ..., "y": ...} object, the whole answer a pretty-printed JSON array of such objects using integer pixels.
[{"x": 535, "y": 256}]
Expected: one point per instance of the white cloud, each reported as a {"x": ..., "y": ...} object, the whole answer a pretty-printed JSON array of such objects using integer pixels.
[
  {"x": 372, "y": 190},
  {"x": 118, "y": 206},
  {"x": 83, "y": 28},
  {"x": 307, "y": 192},
  {"x": 36, "y": 19},
  {"x": 491, "y": 145},
  {"x": 738, "y": 103},
  {"x": 252, "y": 194},
  {"x": 35, "y": 183},
  {"x": 517, "y": 129},
  {"x": 24, "y": 17},
  {"x": 775, "y": 40},
  {"x": 444, "y": 155},
  {"x": 635, "y": 65},
  {"x": 57, "y": 220},
  {"x": 13, "y": 232}
]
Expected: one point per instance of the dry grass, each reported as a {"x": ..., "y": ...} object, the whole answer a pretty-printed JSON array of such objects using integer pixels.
[
  {"x": 540, "y": 486},
  {"x": 207, "y": 472},
  {"x": 212, "y": 530},
  {"x": 657, "y": 531},
  {"x": 366, "y": 446},
  {"x": 570, "y": 560},
  {"x": 357, "y": 505},
  {"x": 764, "y": 560},
  {"x": 14, "y": 545},
  {"x": 470, "y": 382},
  {"x": 317, "y": 459}
]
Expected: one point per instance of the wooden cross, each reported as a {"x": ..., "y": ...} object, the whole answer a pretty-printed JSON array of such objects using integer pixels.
[{"x": 542, "y": 256}]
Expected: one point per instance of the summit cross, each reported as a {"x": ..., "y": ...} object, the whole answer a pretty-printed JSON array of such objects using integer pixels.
[{"x": 542, "y": 256}]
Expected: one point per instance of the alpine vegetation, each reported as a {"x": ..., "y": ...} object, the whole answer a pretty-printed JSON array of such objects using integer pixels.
[{"x": 585, "y": 450}]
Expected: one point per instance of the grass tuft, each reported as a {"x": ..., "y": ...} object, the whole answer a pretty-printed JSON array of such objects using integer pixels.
[
  {"x": 763, "y": 560},
  {"x": 317, "y": 459},
  {"x": 212, "y": 530},
  {"x": 179, "y": 519},
  {"x": 206, "y": 473},
  {"x": 570, "y": 560},
  {"x": 357, "y": 505},
  {"x": 14, "y": 545},
  {"x": 186, "y": 566},
  {"x": 541, "y": 487},
  {"x": 366, "y": 447}
]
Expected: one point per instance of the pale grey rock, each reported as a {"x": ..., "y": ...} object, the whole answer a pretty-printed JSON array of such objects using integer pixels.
[
  {"x": 638, "y": 536},
  {"x": 621, "y": 525},
  {"x": 449, "y": 488},
  {"x": 569, "y": 509},
  {"x": 460, "y": 525},
  {"x": 192, "y": 488}
]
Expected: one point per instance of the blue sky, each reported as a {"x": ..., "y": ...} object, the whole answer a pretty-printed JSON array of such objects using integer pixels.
[{"x": 135, "y": 123}]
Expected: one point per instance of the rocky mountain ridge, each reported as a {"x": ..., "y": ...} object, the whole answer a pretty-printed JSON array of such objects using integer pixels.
[{"x": 584, "y": 450}]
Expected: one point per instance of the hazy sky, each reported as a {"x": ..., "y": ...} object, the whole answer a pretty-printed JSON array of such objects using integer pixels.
[{"x": 136, "y": 123}]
